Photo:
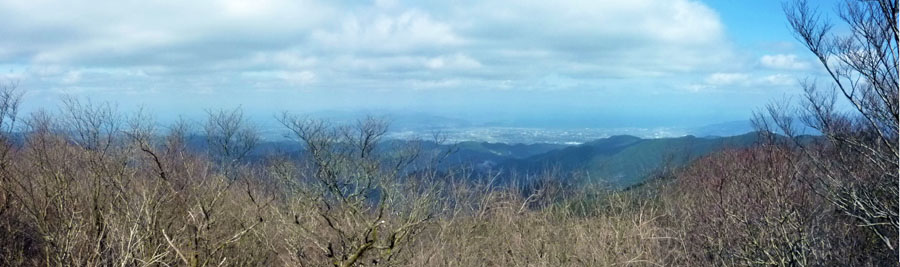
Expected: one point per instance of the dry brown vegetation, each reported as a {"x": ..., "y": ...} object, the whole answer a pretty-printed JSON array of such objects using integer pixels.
[{"x": 88, "y": 186}]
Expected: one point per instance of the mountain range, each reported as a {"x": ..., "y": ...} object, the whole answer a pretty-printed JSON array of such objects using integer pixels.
[{"x": 619, "y": 161}]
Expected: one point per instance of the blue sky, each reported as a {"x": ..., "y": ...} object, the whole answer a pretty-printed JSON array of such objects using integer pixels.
[{"x": 642, "y": 62}]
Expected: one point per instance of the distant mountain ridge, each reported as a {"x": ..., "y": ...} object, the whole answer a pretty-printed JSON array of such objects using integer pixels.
[
  {"x": 624, "y": 160},
  {"x": 620, "y": 161}
]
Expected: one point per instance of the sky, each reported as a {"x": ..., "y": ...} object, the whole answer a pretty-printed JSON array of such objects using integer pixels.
[{"x": 611, "y": 62}]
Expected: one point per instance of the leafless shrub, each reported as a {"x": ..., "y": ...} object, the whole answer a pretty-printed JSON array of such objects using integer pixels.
[
  {"x": 752, "y": 207},
  {"x": 489, "y": 227}
]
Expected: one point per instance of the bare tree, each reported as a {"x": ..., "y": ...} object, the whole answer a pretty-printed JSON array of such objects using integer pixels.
[
  {"x": 230, "y": 136},
  {"x": 357, "y": 192},
  {"x": 10, "y": 98},
  {"x": 858, "y": 162}
]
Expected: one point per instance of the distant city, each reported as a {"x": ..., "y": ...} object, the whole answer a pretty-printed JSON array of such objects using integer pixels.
[
  {"x": 453, "y": 130},
  {"x": 457, "y": 130},
  {"x": 513, "y": 135}
]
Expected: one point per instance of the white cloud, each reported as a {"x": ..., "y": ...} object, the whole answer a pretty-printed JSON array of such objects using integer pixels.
[
  {"x": 616, "y": 38},
  {"x": 304, "y": 77},
  {"x": 140, "y": 32},
  {"x": 72, "y": 77},
  {"x": 11, "y": 76},
  {"x": 720, "y": 78},
  {"x": 400, "y": 33},
  {"x": 227, "y": 45},
  {"x": 783, "y": 62},
  {"x": 456, "y": 61},
  {"x": 433, "y": 84},
  {"x": 779, "y": 80},
  {"x": 301, "y": 77},
  {"x": 696, "y": 88},
  {"x": 386, "y": 3},
  {"x": 285, "y": 59}
]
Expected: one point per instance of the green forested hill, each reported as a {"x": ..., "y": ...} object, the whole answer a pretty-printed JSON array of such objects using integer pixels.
[
  {"x": 621, "y": 160},
  {"x": 627, "y": 160}
]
